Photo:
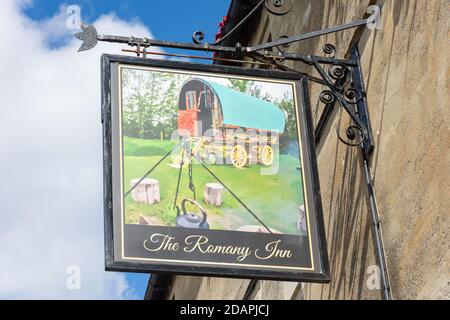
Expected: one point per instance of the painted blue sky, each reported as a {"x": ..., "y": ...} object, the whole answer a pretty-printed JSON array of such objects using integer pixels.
[{"x": 53, "y": 200}]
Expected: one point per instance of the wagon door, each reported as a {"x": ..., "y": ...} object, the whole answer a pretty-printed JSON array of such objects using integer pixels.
[
  {"x": 187, "y": 119},
  {"x": 206, "y": 111}
]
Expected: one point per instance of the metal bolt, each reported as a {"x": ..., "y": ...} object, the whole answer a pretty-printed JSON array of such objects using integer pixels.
[
  {"x": 351, "y": 134},
  {"x": 278, "y": 3}
]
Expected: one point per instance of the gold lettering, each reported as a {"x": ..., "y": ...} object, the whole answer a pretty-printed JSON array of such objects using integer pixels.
[
  {"x": 163, "y": 242},
  {"x": 200, "y": 243},
  {"x": 195, "y": 241},
  {"x": 272, "y": 251}
]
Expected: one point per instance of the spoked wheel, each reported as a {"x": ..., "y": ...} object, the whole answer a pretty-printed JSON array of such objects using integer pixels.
[
  {"x": 267, "y": 155},
  {"x": 239, "y": 156}
]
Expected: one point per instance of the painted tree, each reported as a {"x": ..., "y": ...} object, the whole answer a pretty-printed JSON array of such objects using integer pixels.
[
  {"x": 241, "y": 85},
  {"x": 167, "y": 109},
  {"x": 150, "y": 103},
  {"x": 288, "y": 140}
]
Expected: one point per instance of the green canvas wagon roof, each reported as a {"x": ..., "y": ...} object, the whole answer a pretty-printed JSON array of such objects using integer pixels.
[{"x": 242, "y": 110}]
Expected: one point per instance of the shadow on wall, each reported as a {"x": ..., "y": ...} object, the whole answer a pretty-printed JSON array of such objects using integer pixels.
[
  {"x": 349, "y": 234},
  {"x": 349, "y": 238}
]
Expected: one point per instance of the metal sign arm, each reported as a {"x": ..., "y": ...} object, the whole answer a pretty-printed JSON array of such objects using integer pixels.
[
  {"x": 146, "y": 42},
  {"x": 306, "y": 36},
  {"x": 90, "y": 37}
]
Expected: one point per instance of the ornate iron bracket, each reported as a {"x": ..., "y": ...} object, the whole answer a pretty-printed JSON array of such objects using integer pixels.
[
  {"x": 342, "y": 77},
  {"x": 346, "y": 88}
]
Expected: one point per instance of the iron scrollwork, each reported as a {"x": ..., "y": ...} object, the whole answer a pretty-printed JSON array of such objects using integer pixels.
[
  {"x": 330, "y": 50},
  {"x": 276, "y": 7},
  {"x": 337, "y": 78},
  {"x": 355, "y": 131},
  {"x": 198, "y": 37}
]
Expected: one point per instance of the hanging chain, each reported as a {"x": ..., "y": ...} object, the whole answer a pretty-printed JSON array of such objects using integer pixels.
[
  {"x": 179, "y": 178},
  {"x": 191, "y": 180}
]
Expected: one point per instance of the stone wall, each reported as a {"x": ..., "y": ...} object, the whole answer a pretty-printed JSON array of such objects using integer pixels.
[{"x": 406, "y": 72}]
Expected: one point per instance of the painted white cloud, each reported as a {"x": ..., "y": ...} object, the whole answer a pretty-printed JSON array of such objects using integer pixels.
[{"x": 51, "y": 159}]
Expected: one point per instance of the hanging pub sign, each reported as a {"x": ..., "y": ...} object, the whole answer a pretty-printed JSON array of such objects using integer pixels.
[{"x": 210, "y": 170}]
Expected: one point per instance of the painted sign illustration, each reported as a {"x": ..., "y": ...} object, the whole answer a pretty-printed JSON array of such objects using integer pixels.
[{"x": 209, "y": 172}]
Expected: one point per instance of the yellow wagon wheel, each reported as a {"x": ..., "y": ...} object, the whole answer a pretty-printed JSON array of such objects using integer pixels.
[
  {"x": 267, "y": 155},
  {"x": 202, "y": 153},
  {"x": 239, "y": 156}
]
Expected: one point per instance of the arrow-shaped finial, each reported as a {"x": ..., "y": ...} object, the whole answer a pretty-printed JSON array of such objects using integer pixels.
[{"x": 88, "y": 36}]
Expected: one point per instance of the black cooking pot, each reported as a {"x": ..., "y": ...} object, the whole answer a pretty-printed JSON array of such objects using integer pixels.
[{"x": 189, "y": 219}]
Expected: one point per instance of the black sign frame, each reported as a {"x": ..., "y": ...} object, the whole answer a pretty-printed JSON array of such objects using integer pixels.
[{"x": 320, "y": 273}]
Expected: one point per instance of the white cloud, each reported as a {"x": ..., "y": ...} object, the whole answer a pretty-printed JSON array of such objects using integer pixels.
[
  {"x": 54, "y": 28},
  {"x": 51, "y": 159}
]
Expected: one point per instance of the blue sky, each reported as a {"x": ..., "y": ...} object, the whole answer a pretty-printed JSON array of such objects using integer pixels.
[
  {"x": 52, "y": 215},
  {"x": 174, "y": 20}
]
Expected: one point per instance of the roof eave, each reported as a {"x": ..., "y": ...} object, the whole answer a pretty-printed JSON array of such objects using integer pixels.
[{"x": 236, "y": 12}]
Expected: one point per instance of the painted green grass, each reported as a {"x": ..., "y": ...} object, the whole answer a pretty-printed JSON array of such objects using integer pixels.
[
  {"x": 145, "y": 148},
  {"x": 274, "y": 198}
]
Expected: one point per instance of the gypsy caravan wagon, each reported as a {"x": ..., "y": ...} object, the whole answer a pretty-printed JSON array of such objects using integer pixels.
[{"x": 227, "y": 124}]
